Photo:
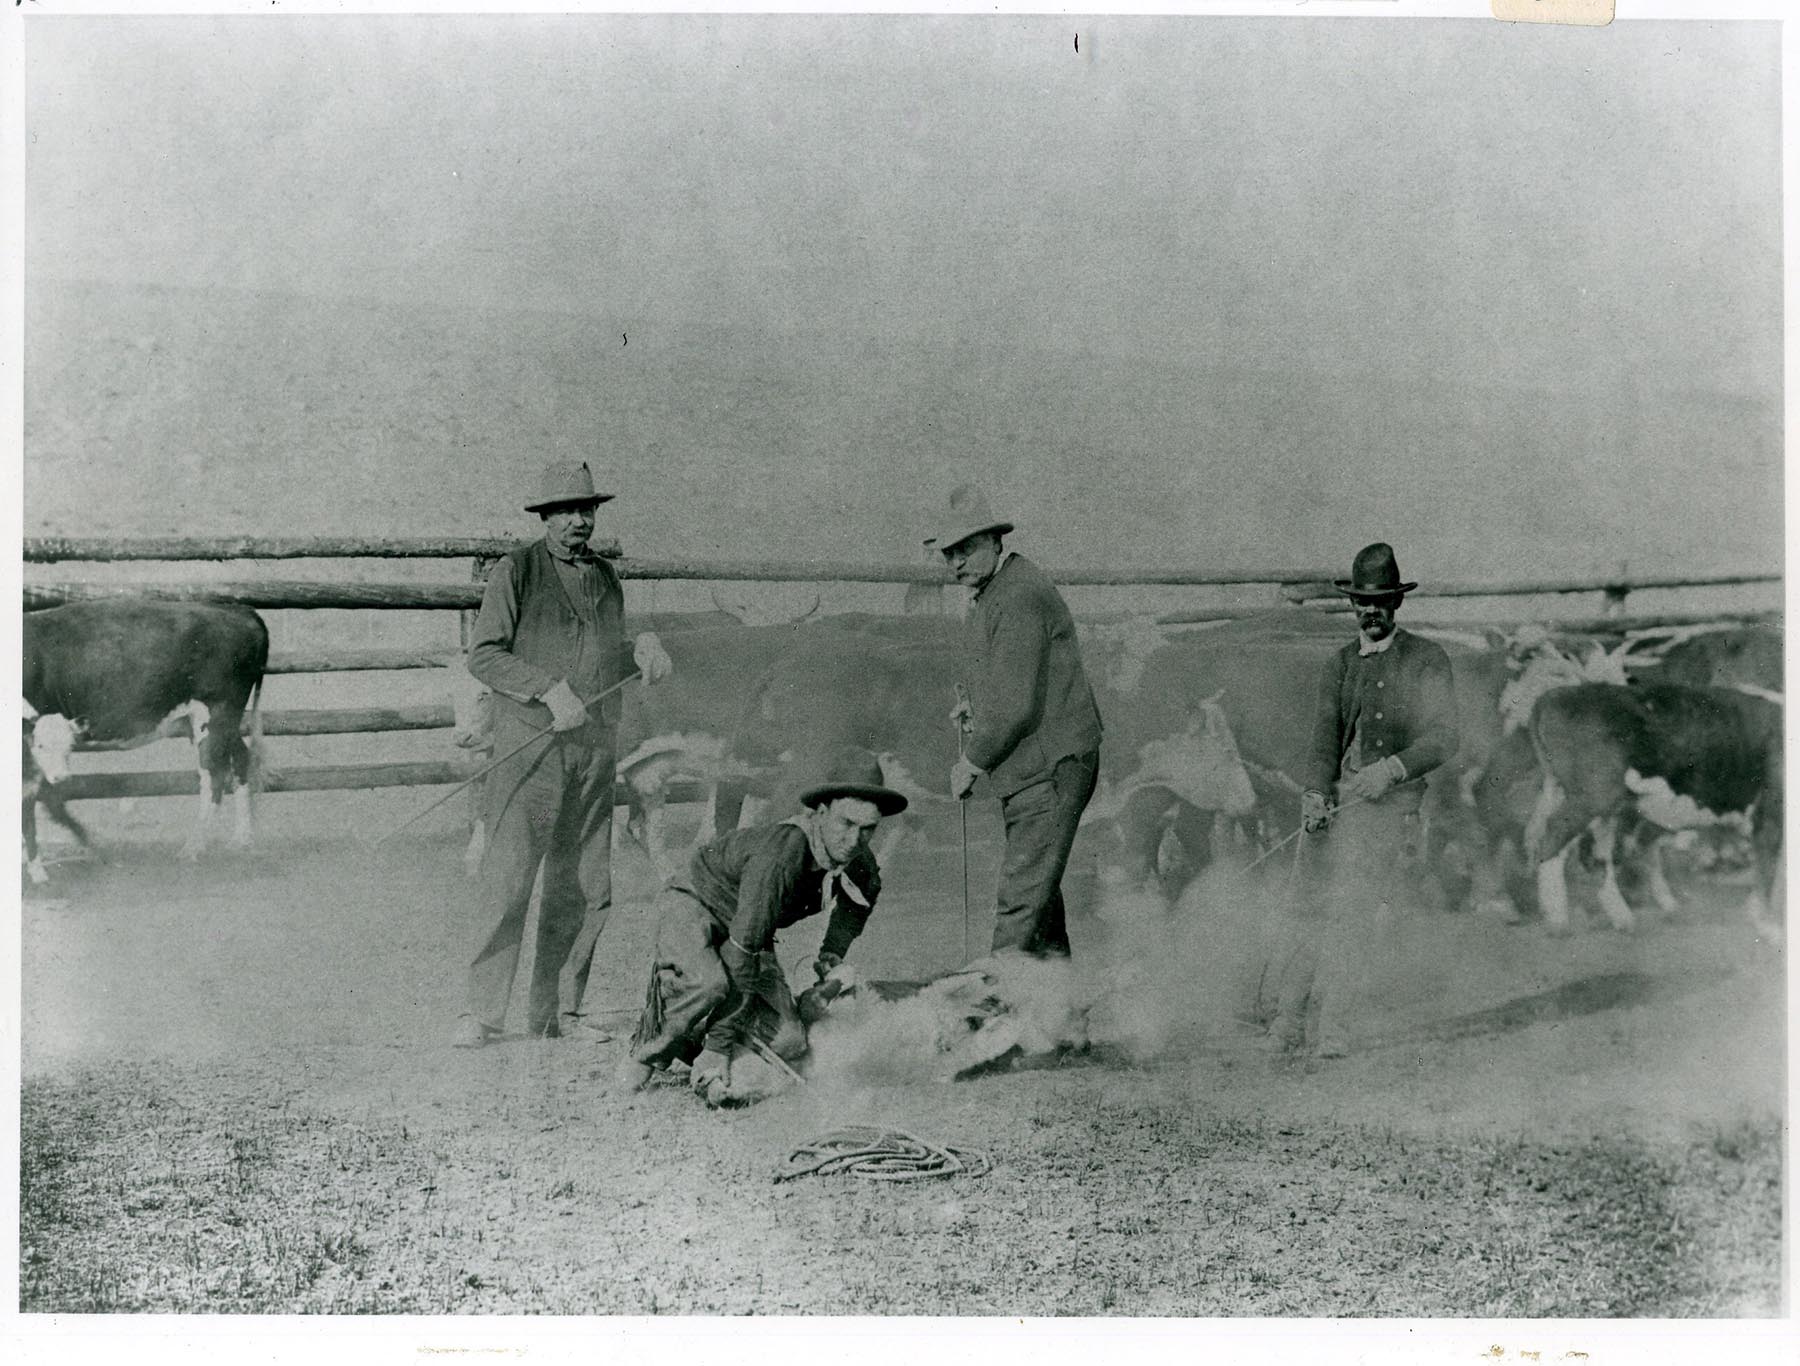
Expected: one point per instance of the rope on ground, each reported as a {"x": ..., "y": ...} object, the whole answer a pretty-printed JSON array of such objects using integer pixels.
[{"x": 881, "y": 1155}]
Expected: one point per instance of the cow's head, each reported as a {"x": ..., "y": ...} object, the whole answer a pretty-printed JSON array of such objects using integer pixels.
[
  {"x": 49, "y": 740},
  {"x": 1222, "y": 767},
  {"x": 472, "y": 704}
]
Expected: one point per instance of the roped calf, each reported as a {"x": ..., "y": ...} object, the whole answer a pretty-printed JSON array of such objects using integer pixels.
[
  {"x": 124, "y": 671},
  {"x": 1682, "y": 756}
]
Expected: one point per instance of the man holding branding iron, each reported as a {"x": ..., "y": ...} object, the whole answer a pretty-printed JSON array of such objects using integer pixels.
[
  {"x": 549, "y": 641},
  {"x": 1033, "y": 728}
]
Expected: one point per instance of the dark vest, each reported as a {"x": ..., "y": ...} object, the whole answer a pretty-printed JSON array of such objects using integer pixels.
[{"x": 551, "y": 634}]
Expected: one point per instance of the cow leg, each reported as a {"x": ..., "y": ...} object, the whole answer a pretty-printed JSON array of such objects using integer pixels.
[
  {"x": 244, "y": 795},
  {"x": 476, "y": 847},
  {"x": 1767, "y": 909},
  {"x": 1657, "y": 880},
  {"x": 1766, "y": 904},
  {"x": 1491, "y": 879},
  {"x": 656, "y": 843},
  {"x": 1193, "y": 831},
  {"x": 199, "y": 719},
  {"x": 34, "y": 864},
  {"x": 1549, "y": 802},
  {"x": 477, "y": 828},
  {"x": 244, "y": 817},
  {"x": 1141, "y": 825},
  {"x": 1553, "y": 892},
  {"x": 1612, "y": 900}
]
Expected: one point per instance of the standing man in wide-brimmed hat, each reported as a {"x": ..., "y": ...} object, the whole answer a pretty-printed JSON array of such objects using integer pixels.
[
  {"x": 1385, "y": 718},
  {"x": 550, "y": 643},
  {"x": 1033, "y": 730},
  {"x": 715, "y": 983}
]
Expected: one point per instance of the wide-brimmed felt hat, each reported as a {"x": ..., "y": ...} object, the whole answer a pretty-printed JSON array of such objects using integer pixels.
[
  {"x": 569, "y": 484},
  {"x": 1374, "y": 574},
  {"x": 967, "y": 515},
  {"x": 856, "y": 773}
]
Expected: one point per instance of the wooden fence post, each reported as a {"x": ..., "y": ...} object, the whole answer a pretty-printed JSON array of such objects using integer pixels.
[{"x": 1616, "y": 594}]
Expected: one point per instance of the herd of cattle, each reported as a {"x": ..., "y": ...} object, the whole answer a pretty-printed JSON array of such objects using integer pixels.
[{"x": 1563, "y": 746}]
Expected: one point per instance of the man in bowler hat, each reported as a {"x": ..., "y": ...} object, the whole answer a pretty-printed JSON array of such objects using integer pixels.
[
  {"x": 715, "y": 983},
  {"x": 1033, "y": 730},
  {"x": 549, "y": 641},
  {"x": 1385, "y": 718}
]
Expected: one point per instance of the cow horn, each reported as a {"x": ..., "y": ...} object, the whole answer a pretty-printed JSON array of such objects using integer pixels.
[{"x": 738, "y": 613}]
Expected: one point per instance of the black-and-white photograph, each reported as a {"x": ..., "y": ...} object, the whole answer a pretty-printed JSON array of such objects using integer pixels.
[{"x": 973, "y": 665}]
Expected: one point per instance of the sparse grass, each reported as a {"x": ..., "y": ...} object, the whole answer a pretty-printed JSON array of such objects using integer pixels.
[{"x": 133, "y": 1199}]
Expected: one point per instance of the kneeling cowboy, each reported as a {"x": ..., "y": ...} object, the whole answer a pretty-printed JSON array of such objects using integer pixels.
[{"x": 715, "y": 981}]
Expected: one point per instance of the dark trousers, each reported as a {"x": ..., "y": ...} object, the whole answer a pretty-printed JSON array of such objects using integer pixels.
[
  {"x": 1041, "y": 824},
  {"x": 691, "y": 1003},
  {"x": 551, "y": 804}
]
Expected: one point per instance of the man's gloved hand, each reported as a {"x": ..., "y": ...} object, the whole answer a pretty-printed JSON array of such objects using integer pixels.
[
  {"x": 567, "y": 711},
  {"x": 963, "y": 714},
  {"x": 826, "y": 964},
  {"x": 1315, "y": 814},
  {"x": 1368, "y": 784},
  {"x": 962, "y": 778},
  {"x": 652, "y": 660},
  {"x": 711, "y": 1076}
]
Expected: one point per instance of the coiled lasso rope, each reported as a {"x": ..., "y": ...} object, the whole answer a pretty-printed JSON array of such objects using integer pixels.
[{"x": 881, "y": 1155}]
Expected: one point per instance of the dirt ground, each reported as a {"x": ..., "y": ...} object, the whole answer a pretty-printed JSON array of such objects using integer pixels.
[{"x": 237, "y": 1098}]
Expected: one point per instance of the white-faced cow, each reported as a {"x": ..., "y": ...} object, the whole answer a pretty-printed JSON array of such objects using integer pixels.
[
  {"x": 1678, "y": 756},
  {"x": 124, "y": 671}
]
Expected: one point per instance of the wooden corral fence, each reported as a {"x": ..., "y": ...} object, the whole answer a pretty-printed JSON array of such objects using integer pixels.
[{"x": 1303, "y": 587}]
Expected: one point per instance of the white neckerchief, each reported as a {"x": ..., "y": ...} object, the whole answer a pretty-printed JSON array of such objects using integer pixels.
[
  {"x": 1365, "y": 646},
  {"x": 837, "y": 876}
]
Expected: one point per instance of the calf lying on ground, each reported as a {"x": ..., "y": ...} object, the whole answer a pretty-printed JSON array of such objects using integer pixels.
[
  {"x": 1682, "y": 757},
  {"x": 122, "y": 671}
]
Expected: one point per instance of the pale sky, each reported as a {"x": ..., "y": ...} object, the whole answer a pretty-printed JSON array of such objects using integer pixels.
[{"x": 1320, "y": 256}]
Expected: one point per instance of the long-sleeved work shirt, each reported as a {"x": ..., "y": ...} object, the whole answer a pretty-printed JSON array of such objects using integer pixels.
[
  {"x": 1029, "y": 695},
  {"x": 1399, "y": 701},
  {"x": 764, "y": 878}
]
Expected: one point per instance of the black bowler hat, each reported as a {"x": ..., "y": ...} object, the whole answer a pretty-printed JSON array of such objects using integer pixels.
[
  {"x": 1375, "y": 574},
  {"x": 855, "y": 773}
]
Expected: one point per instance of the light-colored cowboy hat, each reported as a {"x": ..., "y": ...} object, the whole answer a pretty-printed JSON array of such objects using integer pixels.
[
  {"x": 968, "y": 515},
  {"x": 566, "y": 485},
  {"x": 855, "y": 773},
  {"x": 1375, "y": 574}
]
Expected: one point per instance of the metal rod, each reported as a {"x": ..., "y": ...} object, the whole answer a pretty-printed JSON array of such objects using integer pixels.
[
  {"x": 495, "y": 763},
  {"x": 769, "y": 1055},
  {"x": 960, "y": 719}
]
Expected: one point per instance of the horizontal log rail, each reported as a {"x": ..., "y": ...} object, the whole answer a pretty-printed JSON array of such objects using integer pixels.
[
  {"x": 320, "y": 778},
  {"x": 372, "y": 659},
  {"x": 102, "y": 549},
  {"x": 275, "y": 594},
  {"x": 336, "y": 721},
  {"x": 1590, "y": 625},
  {"x": 1613, "y": 585}
]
